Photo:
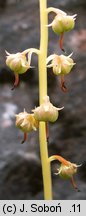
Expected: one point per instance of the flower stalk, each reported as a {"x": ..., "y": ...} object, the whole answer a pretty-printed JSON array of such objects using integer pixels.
[{"x": 42, "y": 92}]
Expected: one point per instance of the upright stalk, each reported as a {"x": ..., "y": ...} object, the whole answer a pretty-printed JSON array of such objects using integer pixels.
[{"x": 42, "y": 92}]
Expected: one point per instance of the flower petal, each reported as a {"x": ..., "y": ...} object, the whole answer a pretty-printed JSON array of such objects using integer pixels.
[
  {"x": 60, "y": 108},
  {"x": 50, "y": 65},
  {"x": 29, "y": 57},
  {"x": 49, "y": 25},
  {"x": 49, "y": 58}
]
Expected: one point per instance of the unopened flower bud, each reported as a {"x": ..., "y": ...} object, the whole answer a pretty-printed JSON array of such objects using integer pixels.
[
  {"x": 46, "y": 111},
  {"x": 67, "y": 171},
  {"x": 63, "y": 23},
  {"x": 26, "y": 122},
  {"x": 17, "y": 62}
]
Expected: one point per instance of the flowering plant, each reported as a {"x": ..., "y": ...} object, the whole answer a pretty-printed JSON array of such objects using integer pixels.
[{"x": 46, "y": 112}]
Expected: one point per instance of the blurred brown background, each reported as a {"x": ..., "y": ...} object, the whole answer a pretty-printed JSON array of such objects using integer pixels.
[{"x": 20, "y": 167}]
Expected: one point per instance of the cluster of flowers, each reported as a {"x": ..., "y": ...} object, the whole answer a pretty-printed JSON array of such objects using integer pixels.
[
  {"x": 19, "y": 63},
  {"x": 61, "y": 65},
  {"x": 46, "y": 112}
]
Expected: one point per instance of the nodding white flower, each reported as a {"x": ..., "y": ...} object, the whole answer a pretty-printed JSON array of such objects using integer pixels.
[
  {"x": 26, "y": 122},
  {"x": 61, "y": 65},
  {"x": 62, "y": 23},
  {"x": 66, "y": 169},
  {"x": 46, "y": 111},
  {"x": 68, "y": 172},
  {"x": 19, "y": 63}
]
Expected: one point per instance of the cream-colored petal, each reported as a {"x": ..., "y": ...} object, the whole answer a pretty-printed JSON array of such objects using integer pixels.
[
  {"x": 33, "y": 110},
  {"x": 49, "y": 58},
  {"x": 7, "y": 52},
  {"x": 50, "y": 65},
  {"x": 68, "y": 63},
  {"x": 49, "y": 25},
  {"x": 74, "y": 16},
  {"x": 79, "y": 165},
  {"x": 29, "y": 57},
  {"x": 69, "y": 55},
  {"x": 34, "y": 128},
  {"x": 57, "y": 173},
  {"x": 46, "y": 108},
  {"x": 60, "y": 108},
  {"x": 59, "y": 71}
]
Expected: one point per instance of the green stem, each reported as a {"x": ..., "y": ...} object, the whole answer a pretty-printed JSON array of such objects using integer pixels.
[
  {"x": 46, "y": 171},
  {"x": 33, "y": 50},
  {"x": 55, "y": 10}
]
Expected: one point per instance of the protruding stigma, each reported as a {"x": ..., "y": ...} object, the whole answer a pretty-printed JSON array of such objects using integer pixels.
[
  {"x": 25, "y": 138},
  {"x": 74, "y": 184},
  {"x": 16, "y": 81},
  {"x": 47, "y": 131},
  {"x": 63, "y": 86},
  {"x": 61, "y": 42}
]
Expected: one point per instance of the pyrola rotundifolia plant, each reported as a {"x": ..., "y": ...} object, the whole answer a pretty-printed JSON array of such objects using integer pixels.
[{"x": 46, "y": 112}]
